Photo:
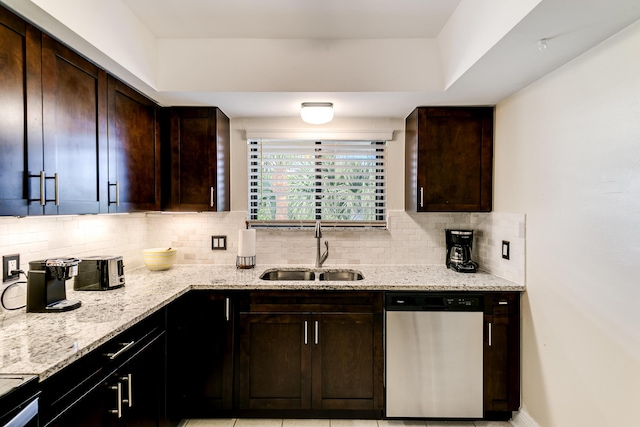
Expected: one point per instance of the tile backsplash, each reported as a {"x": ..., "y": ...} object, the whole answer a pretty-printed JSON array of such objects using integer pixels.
[{"x": 411, "y": 238}]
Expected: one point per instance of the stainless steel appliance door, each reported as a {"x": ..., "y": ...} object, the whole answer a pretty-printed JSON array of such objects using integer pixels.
[{"x": 434, "y": 364}]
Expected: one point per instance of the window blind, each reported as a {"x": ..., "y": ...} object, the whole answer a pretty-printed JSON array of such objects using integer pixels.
[{"x": 342, "y": 182}]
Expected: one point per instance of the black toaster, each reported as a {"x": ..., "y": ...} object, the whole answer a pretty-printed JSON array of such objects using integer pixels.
[{"x": 99, "y": 273}]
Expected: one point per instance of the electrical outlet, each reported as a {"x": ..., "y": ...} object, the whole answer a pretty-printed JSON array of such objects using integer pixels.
[
  {"x": 9, "y": 264},
  {"x": 505, "y": 249}
]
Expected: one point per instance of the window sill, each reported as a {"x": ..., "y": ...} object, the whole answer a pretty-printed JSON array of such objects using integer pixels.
[{"x": 329, "y": 226}]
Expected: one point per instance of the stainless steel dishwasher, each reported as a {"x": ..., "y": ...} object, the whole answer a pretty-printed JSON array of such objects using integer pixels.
[{"x": 433, "y": 363}]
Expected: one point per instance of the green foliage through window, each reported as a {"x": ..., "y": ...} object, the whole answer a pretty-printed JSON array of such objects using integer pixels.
[{"x": 326, "y": 180}]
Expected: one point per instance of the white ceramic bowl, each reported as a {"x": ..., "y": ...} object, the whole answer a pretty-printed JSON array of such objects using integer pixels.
[{"x": 158, "y": 259}]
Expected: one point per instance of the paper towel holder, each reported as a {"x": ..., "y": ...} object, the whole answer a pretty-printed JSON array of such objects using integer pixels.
[{"x": 245, "y": 262}]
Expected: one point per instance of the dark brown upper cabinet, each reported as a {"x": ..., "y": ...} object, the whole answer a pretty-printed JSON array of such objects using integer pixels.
[
  {"x": 74, "y": 129},
  {"x": 52, "y": 126},
  {"x": 19, "y": 45},
  {"x": 196, "y": 144},
  {"x": 449, "y": 159},
  {"x": 134, "y": 150}
]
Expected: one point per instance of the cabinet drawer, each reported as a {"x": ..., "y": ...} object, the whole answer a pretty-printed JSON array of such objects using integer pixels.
[{"x": 313, "y": 302}]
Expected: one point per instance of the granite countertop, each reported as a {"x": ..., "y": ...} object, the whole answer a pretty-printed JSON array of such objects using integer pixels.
[{"x": 44, "y": 343}]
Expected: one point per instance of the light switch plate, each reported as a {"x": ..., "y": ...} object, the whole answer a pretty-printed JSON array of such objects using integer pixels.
[
  {"x": 505, "y": 249},
  {"x": 218, "y": 243}
]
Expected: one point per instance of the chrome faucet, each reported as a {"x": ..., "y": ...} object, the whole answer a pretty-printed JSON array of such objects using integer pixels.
[{"x": 320, "y": 259}]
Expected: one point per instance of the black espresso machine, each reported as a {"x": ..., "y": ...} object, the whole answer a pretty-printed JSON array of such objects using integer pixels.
[
  {"x": 46, "y": 285},
  {"x": 459, "y": 245}
]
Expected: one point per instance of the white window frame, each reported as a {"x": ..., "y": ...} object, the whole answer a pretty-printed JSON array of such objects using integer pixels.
[{"x": 320, "y": 156}]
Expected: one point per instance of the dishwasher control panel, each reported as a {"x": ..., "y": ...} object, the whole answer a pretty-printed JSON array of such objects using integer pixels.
[{"x": 431, "y": 301}]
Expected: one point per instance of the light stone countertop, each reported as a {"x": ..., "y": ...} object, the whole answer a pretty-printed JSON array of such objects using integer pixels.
[{"x": 44, "y": 343}]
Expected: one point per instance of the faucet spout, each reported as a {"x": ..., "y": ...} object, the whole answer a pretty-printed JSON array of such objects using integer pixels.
[{"x": 320, "y": 258}]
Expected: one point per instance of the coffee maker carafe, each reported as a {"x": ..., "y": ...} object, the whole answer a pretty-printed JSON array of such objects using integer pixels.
[
  {"x": 46, "y": 285},
  {"x": 459, "y": 245}
]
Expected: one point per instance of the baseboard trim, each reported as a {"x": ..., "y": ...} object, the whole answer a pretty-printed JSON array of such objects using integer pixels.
[{"x": 523, "y": 419}]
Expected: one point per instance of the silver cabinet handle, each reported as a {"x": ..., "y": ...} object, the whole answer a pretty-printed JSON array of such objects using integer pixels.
[
  {"x": 43, "y": 199},
  {"x": 490, "y": 334},
  {"x": 129, "y": 399},
  {"x": 57, "y": 189},
  {"x": 422, "y": 197},
  {"x": 118, "y": 410},
  {"x": 306, "y": 333},
  {"x": 117, "y": 185},
  {"x": 317, "y": 328},
  {"x": 226, "y": 309},
  {"x": 125, "y": 347},
  {"x": 212, "y": 194}
]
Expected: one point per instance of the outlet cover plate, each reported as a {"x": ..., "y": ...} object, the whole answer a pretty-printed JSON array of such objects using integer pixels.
[
  {"x": 506, "y": 249},
  {"x": 6, "y": 276}
]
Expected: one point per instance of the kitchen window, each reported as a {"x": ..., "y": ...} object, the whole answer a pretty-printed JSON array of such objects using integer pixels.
[{"x": 341, "y": 183}]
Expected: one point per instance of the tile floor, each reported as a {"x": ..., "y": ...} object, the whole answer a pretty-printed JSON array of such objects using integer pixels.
[{"x": 248, "y": 422}]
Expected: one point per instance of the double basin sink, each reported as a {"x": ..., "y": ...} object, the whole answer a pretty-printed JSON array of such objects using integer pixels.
[{"x": 311, "y": 275}]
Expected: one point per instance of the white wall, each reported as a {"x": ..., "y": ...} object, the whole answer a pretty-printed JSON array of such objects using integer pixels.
[{"x": 568, "y": 155}]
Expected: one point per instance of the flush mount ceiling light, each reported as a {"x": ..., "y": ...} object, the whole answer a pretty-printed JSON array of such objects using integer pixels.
[{"x": 316, "y": 113}]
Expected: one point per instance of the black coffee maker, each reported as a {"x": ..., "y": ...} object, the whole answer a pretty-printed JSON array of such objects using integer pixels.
[
  {"x": 46, "y": 285},
  {"x": 459, "y": 245}
]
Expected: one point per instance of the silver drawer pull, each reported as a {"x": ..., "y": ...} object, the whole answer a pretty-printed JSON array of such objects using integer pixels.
[{"x": 125, "y": 347}]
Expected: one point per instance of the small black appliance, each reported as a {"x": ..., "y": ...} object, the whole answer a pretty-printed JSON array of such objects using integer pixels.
[
  {"x": 459, "y": 245},
  {"x": 46, "y": 285},
  {"x": 99, "y": 273}
]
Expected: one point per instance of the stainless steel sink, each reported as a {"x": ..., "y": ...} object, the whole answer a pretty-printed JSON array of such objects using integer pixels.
[
  {"x": 310, "y": 275},
  {"x": 276, "y": 274},
  {"x": 341, "y": 275}
]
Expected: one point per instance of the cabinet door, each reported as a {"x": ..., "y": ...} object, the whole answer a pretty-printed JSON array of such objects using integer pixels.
[
  {"x": 198, "y": 149},
  {"x": 502, "y": 354},
  {"x": 143, "y": 386},
  {"x": 347, "y": 362},
  {"x": 74, "y": 129},
  {"x": 134, "y": 150},
  {"x": 275, "y": 361},
  {"x": 449, "y": 159},
  {"x": 20, "y": 97},
  {"x": 95, "y": 410},
  {"x": 201, "y": 354}
]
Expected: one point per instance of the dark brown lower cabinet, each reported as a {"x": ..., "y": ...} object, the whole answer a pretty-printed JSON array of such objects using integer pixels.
[
  {"x": 200, "y": 355},
  {"x": 501, "y": 355},
  {"x": 311, "y": 354},
  {"x": 121, "y": 383}
]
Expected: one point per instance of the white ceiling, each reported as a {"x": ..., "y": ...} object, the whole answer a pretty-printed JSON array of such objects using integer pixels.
[
  {"x": 323, "y": 19},
  {"x": 503, "y": 44}
]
